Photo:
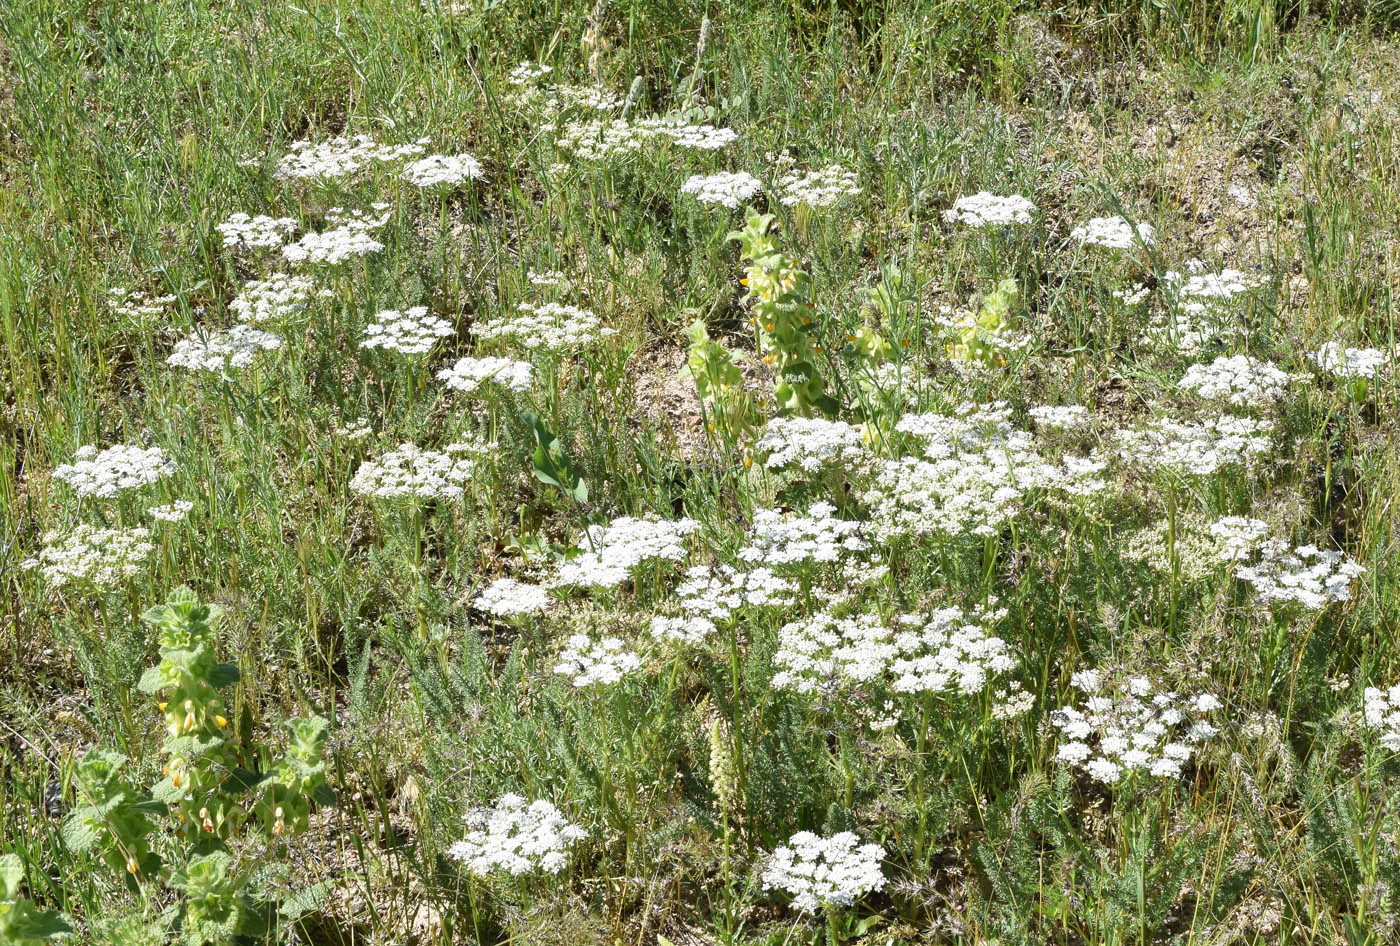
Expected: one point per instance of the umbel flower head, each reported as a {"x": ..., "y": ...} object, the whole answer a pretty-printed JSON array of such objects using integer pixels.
[
  {"x": 234, "y": 347},
  {"x": 517, "y": 837},
  {"x": 1125, "y": 727},
  {"x": 100, "y": 557},
  {"x": 413, "y": 472},
  {"x": 443, "y": 170},
  {"x": 1114, "y": 233},
  {"x": 508, "y": 598},
  {"x": 727, "y": 188},
  {"x": 1382, "y": 713},
  {"x": 412, "y": 332},
  {"x": 986, "y": 209},
  {"x": 589, "y": 663},
  {"x": 469, "y": 374},
  {"x": 114, "y": 470},
  {"x": 260, "y": 232},
  {"x": 822, "y": 873}
]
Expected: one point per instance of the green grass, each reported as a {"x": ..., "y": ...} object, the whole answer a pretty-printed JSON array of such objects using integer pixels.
[{"x": 130, "y": 131}]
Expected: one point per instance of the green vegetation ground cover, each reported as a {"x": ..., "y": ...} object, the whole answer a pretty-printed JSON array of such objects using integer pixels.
[{"x": 1044, "y": 581}]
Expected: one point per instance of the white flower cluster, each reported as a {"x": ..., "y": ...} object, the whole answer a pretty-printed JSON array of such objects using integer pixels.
[
  {"x": 1201, "y": 289},
  {"x": 682, "y": 135},
  {"x": 1238, "y": 536},
  {"x": 443, "y": 170},
  {"x": 234, "y": 347},
  {"x": 1199, "y": 449},
  {"x": 1382, "y": 711},
  {"x": 810, "y": 443},
  {"x": 623, "y": 544},
  {"x": 681, "y": 630},
  {"x": 341, "y": 157},
  {"x": 528, "y": 72},
  {"x": 820, "y": 188},
  {"x": 824, "y": 652},
  {"x": 548, "y": 277},
  {"x": 517, "y": 837},
  {"x": 468, "y": 374},
  {"x": 260, "y": 232},
  {"x": 276, "y": 297},
  {"x": 120, "y": 467},
  {"x": 425, "y": 474},
  {"x": 602, "y": 138},
  {"x": 1114, "y": 233},
  {"x": 552, "y": 326},
  {"x": 777, "y": 539},
  {"x": 349, "y": 240},
  {"x": 588, "y": 663},
  {"x": 978, "y": 468},
  {"x": 952, "y": 651},
  {"x": 821, "y": 873},
  {"x": 1135, "y": 730},
  {"x": 1307, "y": 576},
  {"x": 412, "y": 332},
  {"x": 986, "y": 209},
  {"x": 137, "y": 306},
  {"x": 1241, "y": 380},
  {"x": 508, "y": 598},
  {"x": 171, "y": 512},
  {"x": 1349, "y": 363},
  {"x": 102, "y": 557},
  {"x": 718, "y": 592},
  {"x": 729, "y": 189},
  {"x": 1061, "y": 417}
]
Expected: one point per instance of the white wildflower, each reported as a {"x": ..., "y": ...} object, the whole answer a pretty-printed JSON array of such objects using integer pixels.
[
  {"x": 589, "y": 663},
  {"x": 234, "y": 347},
  {"x": 424, "y": 474},
  {"x": 1307, "y": 576},
  {"x": 822, "y": 873},
  {"x": 1114, "y": 233},
  {"x": 616, "y": 549},
  {"x": 1061, "y": 417},
  {"x": 469, "y": 374},
  {"x": 985, "y": 209},
  {"x": 1350, "y": 363},
  {"x": 171, "y": 512},
  {"x": 551, "y": 326},
  {"x": 341, "y": 157},
  {"x": 824, "y": 652},
  {"x": 411, "y": 332},
  {"x": 260, "y": 232},
  {"x": 729, "y": 189},
  {"x": 1135, "y": 729},
  {"x": 777, "y": 539},
  {"x": 277, "y": 297},
  {"x": 810, "y": 443},
  {"x": 1241, "y": 380},
  {"x": 517, "y": 837},
  {"x": 683, "y": 630},
  {"x": 443, "y": 170},
  {"x": 118, "y": 468},
  {"x": 1382, "y": 712},
  {"x": 951, "y": 652},
  {"x": 1238, "y": 536},
  {"x": 1197, "y": 449},
  {"x": 508, "y": 598},
  {"x": 101, "y": 557},
  {"x": 820, "y": 188},
  {"x": 716, "y": 593}
]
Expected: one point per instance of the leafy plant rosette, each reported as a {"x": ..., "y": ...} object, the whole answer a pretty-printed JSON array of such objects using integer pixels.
[{"x": 205, "y": 797}]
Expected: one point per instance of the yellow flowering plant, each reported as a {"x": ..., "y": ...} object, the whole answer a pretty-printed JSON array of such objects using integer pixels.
[
  {"x": 784, "y": 319},
  {"x": 202, "y": 796}
]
